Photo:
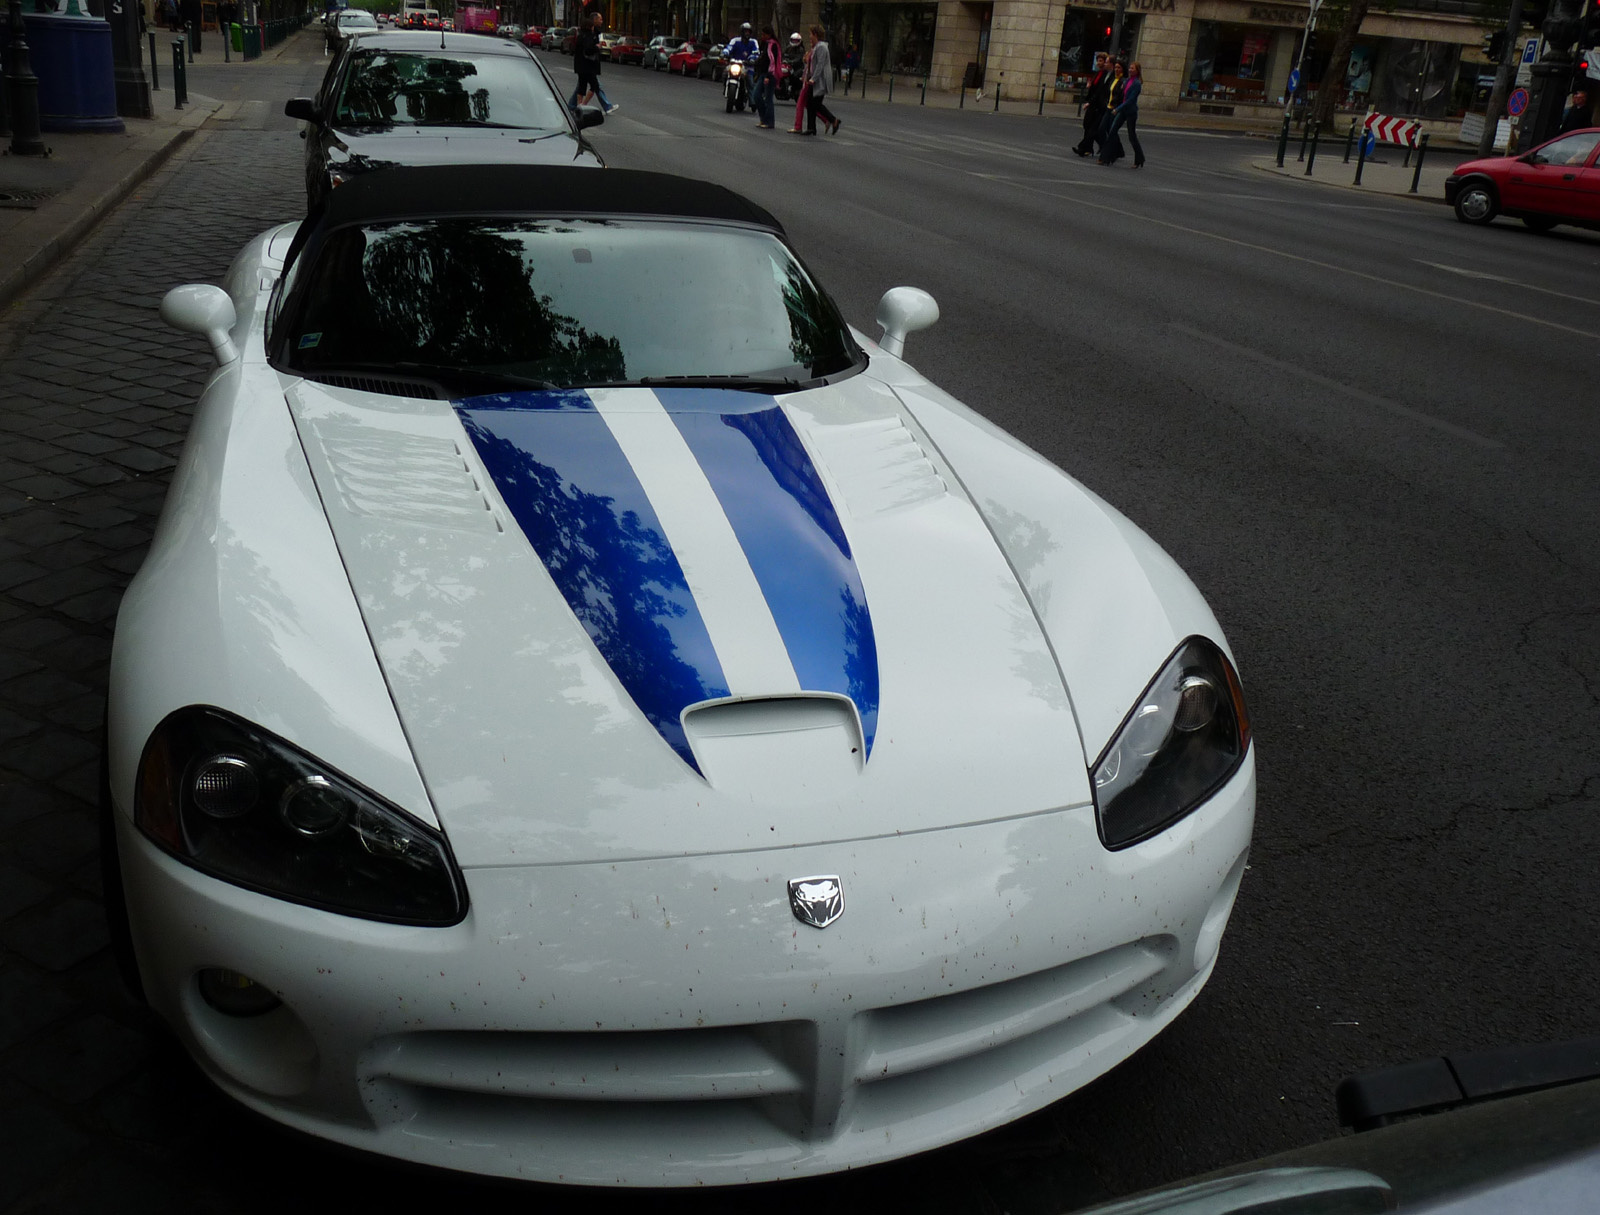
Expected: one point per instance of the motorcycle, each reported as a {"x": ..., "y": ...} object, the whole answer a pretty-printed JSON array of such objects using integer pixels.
[{"x": 736, "y": 86}]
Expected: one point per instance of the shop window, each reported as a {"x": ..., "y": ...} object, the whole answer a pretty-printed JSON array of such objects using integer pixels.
[
  {"x": 1229, "y": 63},
  {"x": 894, "y": 38},
  {"x": 1398, "y": 76},
  {"x": 1084, "y": 34}
]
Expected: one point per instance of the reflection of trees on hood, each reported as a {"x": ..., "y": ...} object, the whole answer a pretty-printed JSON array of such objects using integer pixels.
[
  {"x": 806, "y": 307},
  {"x": 618, "y": 574},
  {"x": 861, "y": 659},
  {"x": 457, "y": 291},
  {"x": 785, "y": 458}
]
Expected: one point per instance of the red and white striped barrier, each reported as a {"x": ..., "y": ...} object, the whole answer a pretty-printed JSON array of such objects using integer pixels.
[{"x": 1393, "y": 130}]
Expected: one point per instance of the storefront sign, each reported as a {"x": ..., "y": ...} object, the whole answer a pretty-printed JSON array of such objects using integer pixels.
[
  {"x": 1279, "y": 16},
  {"x": 1144, "y": 6}
]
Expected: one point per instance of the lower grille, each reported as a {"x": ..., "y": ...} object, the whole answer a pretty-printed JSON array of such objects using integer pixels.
[{"x": 799, "y": 1080}]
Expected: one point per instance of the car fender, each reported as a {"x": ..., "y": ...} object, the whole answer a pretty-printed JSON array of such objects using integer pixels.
[
  {"x": 243, "y": 579},
  {"x": 1111, "y": 601}
]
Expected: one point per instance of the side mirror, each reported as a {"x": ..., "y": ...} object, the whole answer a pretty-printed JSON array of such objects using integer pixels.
[
  {"x": 590, "y": 116},
  {"x": 202, "y": 308},
  {"x": 302, "y": 108},
  {"x": 903, "y": 311}
]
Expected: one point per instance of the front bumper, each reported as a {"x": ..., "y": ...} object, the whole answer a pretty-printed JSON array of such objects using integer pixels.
[
  {"x": 668, "y": 1021},
  {"x": 1452, "y": 186}
]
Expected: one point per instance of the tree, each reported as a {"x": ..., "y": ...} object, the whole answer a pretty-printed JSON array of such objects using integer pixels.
[{"x": 1339, "y": 64}]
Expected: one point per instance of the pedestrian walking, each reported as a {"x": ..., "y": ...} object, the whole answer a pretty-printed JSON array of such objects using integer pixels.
[
  {"x": 1094, "y": 105},
  {"x": 586, "y": 62},
  {"x": 852, "y": 60},
  {"x": 800, "y": 64},
  {"x": 1126, "y": 113},
  {"x": 766, "y": 70},
  {"x": 819, "y": 68},
  {"x": 1111, "y": 149}
]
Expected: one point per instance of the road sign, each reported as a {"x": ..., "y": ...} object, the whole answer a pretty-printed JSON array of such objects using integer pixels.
[
  {"x": 1294, "y": 80},
  {"x": 1517, "y": 102},
  {"x": 1393, "y": 130}
]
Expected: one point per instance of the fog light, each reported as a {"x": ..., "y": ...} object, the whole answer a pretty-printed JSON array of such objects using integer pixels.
[
  {"x": 234, "y": 994},
  {"x": 313, "y": 807},
  {"x": 225, "y": 786}
]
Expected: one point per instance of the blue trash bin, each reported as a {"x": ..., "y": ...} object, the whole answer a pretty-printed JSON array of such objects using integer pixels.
[{"x": 71, "y": 56}]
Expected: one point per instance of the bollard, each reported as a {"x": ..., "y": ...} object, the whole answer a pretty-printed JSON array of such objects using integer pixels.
[
  {"x": 1348, "y": 140},
  {"x": 1041, "y": 101},
  {"x": 1283, "y": 140},
  {"x": 1361, "y": 159},
  {"x": 179, "y": 90},
  {"x": 1305, "y": 134},
  {"x": 1316, "y": 130},
  {"x": 1406, "y": 163},
  {"x": 891, "y": 90},
  {"x": 924, "y": 100},
  {"x": 962, "y": 104},
  {"x": 189, "y": 46},
  {"x": 225, "y": 41},
  {"x": 996, "y": 96},
  {"x": 155, "y": 78},
  {"x": 1422, "y": 150}
]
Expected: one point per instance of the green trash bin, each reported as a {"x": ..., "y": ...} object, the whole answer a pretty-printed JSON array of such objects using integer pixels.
[{"x": 236, "y": 37}]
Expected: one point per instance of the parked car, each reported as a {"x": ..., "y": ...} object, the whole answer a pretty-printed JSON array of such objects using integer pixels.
[
  {"x": 415, "y": 98},
  {"x": 1556, "y": 183},
  {"x": 627, "y": 49},
  {"x": 569, "y": 40},
  {"x": 341, "y": 26},
  {"x": 686, "y": 59},
  {"x": 607, "y": 40},
  {"x": 712, "y": 64},
  {"x": 590, "y": 716},
  {"x": 659, "y": 50},
  {"x": 533, "y": 37}
]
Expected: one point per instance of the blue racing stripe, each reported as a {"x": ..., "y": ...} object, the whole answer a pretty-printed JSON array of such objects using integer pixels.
[
  {"x": 576, "y": 498},
  {"x": 790, "y": 534}
]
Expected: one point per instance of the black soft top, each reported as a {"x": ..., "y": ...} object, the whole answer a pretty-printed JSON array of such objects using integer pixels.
[
  {"x": 422, "y": 41},
  {"x": 560, "y": 190}
]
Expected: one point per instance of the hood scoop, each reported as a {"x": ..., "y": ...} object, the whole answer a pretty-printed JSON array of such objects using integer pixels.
[{"x": 811, "y": 745}]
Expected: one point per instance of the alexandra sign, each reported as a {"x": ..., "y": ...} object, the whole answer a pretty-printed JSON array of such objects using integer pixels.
[{"x": 1144, "y": 6}]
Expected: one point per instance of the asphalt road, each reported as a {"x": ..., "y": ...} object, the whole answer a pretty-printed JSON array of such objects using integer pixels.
[{"x": 1368, "y": 434}]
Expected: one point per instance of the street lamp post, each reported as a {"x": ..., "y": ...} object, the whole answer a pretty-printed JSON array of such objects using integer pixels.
[
  {"x": 1552, "y": 75},
  {"x": 1300, "y": 59},
  {"x": 22, "y": 91}
]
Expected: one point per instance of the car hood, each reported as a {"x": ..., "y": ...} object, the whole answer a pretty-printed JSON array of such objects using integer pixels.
[
  {"x": 414, "y": 146},
  {"x": 1487, "y": 164},
  {"x": 630, "y": 623}
]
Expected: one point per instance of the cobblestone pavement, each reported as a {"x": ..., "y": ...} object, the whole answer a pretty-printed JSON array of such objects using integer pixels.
[{"x": 99, "y": 1110}]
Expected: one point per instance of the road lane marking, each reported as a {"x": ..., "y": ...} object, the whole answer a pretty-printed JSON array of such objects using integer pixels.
[
  {"x": 1498, "y": 278},
  {"x": 1154, "y": 221},
  {"x": 1349, "y": 390}
]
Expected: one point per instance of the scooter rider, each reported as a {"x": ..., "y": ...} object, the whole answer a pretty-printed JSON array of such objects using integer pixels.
[
  {"x": 794, "y": 58},
  {"x": 744, "y": 47}
]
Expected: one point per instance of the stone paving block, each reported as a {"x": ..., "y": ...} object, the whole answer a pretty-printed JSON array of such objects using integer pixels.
[
  {"x": 14, "y": 663},
  {"x": 81, "y": 783},
  {"x": 14, "y": 573},
  {"x": 18, "y": 890},
  {"x": 80, "y": 652},
  {"x": 14, "y": 726},
  {"x": 21, "y": 802},
  {"x": 40, "y": 688},
  {"x": 46, "y": 488},
  {"x": 57, "y": 935},
  {"x": 28, "y": 1003},
  {"x": 57, "y": 587},
  {"x": 99, "y": 475},
  {"x": 107, "y": 521},
  {"x": 38, "y": 1142},
  {"x": 81, "y": 1059},
  {"x": 88, "y": 444},
  {"x": 48, "y": 753},
  {"x": 96, "y": 607},
  {"x": 68, "y": 553},
  {"x": 82, "y": 714},
  {"x": 54, "y": 844}
]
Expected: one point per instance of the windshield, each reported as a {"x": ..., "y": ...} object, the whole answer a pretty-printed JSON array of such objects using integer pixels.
[
  {"x": 564, "y": 303},
  {"x": 414, "y": 88}
]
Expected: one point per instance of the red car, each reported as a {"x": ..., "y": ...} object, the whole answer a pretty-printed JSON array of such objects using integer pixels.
[
  {"x": 1556, "y": 183},
  {"x": 534, "y": 37},
  {"x": 627, "y": 49},
  {"x": 685, "y": 59}
]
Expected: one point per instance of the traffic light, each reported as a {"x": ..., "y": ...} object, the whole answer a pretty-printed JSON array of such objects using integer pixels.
[{"x": 1494, "y": 46}]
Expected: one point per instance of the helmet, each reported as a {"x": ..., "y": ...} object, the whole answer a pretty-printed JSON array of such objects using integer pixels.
[
  {"x": 745, "y": 26},
  {"x": 794, "y": 37}
]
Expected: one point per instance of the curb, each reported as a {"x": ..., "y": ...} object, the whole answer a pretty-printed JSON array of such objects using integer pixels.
[
  {"x": 1364, "y": 191},
  {"x": 15, "y": 282}
]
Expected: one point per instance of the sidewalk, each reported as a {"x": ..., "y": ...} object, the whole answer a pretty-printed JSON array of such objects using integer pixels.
[
  {"x": 48, "y": 204},
  {"x": 1386, "y": 173}
]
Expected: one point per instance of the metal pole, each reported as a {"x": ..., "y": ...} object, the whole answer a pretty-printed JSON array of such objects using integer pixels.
[
  {"x": 1406, "y": 163},
  {"x": 180, "y": 84},
  {"x": 225, "y": 40},
  {"x": 962, "y": 104},
  {"x": 155, "y": 76},
  {"x": 1361, "y": 158},
  {"x": 924, "y": 100},
  {"x": 1416, "y": 176},
  {"x": 997, "y": 85},
  {"x": 189, "y": 44},
  {"x": 22, "y": 91},
  {"x": 1316, "y": 130},
  {"x": 1305, "y": 136},
  {"x": 1348, "y": 140},
  {"x": 1041, "y": 100},
  {"x": 891, "y": 90},
  {"x": 1283, "y": 140}
]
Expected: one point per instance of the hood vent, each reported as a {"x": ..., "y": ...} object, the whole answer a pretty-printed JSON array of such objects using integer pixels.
[
  {"x": 419, "y": 389},
  {"x": 405, "y": 478},
  {"x": 880, "y": 466}
]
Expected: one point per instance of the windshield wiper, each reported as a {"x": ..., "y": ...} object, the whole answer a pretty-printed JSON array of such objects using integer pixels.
[
  {"x": 739, "y": 383},
  {"x": 473, "y": 122}
]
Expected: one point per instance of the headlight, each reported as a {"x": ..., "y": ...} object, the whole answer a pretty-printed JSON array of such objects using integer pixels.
[
  {"x": 244, "y": 806},
  {"x": 1183, "y": 739},
  {"x": 734, "y": 69}
]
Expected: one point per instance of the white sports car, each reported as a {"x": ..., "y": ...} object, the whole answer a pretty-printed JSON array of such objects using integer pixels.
[{"x": 590, "y": 715}]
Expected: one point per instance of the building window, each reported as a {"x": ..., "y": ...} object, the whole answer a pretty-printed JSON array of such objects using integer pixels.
[
  {"x": 1229, "y": 62},
  {"x": 895, "y": 38},
  {"x": 1398, "y": 76},
  {"x": 1084, "y": 34}
]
